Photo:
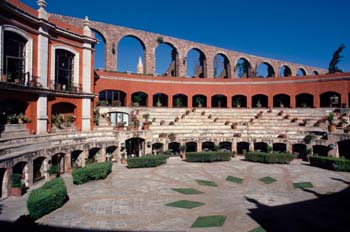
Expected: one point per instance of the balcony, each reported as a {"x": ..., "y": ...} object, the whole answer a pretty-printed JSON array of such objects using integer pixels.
[
  {"x": 71, "y": 87},
  {"x": 24, "y": 79}
]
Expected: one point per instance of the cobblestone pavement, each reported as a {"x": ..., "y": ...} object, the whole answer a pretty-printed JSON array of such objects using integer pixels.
[{"x": 135, "y": 199}]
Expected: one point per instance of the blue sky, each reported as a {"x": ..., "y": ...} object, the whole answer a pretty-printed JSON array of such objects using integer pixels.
[{"x": 306, "y": 32}]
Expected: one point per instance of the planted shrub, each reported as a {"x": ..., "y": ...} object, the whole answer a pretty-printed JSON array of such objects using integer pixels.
[
  {"x": 331, "y": 163},
  {"x": 209, "y": 156},
  {"x": 93, "y": 171},
  {"x": 146, "y": 161},
  {"x": 16, "y": 180},
  {"x": 52, "y": 195},
  {"x": 53, "y": 169},
  {"x": 269, "y": 158}
]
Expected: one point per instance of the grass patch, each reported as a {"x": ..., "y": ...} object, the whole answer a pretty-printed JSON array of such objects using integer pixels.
[
  {"x": 267, "y": 180},
  {"x": 207, "y": 183},
  {"x": 209, "y": 221},
  {"x": 185, "y": 204},
  {"x": 303, "y": 185},
  {"x": 259, "y": 229},
  {"x": 187, "y": 191},
  {"x": 234, "y": 179}
]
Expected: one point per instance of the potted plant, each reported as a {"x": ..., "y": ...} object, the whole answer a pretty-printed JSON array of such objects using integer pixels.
[
  {"x": 53, "y": 170},
  {"x": 162, "y": 122},
  {"x": 163, "y": 135},
  {"x": 331, "y": 126},
  {"x": 199, "y": 102},
  {"x": 234, "y": 125},
  {"x": 136, "y": 100},
  {"x": 146, "y": 123},
  {"x": 258, "y": 104},
  {"x": 237, "y": 102},
  {"x": 120, "y": 126},
  {"x": 158, "y": 103},
  {"x": 16, "y": 186},
  {"x": 172, "y": 137}
]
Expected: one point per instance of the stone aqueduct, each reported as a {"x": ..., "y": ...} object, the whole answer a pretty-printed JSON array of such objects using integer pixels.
[{"x": 113, "y": 34}]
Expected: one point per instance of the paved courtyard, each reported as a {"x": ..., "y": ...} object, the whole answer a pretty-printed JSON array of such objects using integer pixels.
[{"x": 135, "y": 199}]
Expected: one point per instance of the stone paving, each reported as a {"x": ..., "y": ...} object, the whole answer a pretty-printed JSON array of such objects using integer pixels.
[{"x": 135, "y": 199}]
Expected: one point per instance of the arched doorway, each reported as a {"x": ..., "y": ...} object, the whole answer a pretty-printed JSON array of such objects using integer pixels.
[
  {"x": 139, "y": 99},
  {"x": 330, "y": 99},
  {"x": 76, "y": 159},
  {"x": 167, "y": 60},
  {"x": 219, "y": 101},
  {"x": 243, "y": 68},
  {"x": 135, "y": 147},
  {"x": 265, "y": 70},
  {"x": 279, "y": 147},
  {"x": 242, "y": 148},
  {"x": 239, "y": 101},
  {"x": 304, "y": 100},
  {"x": 21, "y": 168},
  {"x": 227, "y": 146},
  {"x": 301, "y": 72},
  {"x": 93, "y": 155},
  {"x": 300, "y": 151},
  {"x": 208, "y": 146},
  {"x": 160, "y": 100},
  {"x": 111, "y": 98},
  {"x": 285, "y": 71},
  {"x": 59, "y": 161},
  {"x": 281, "y": 100},
  {"x": 131, "y": 50},
  {"x": 38, "y": 169},
  {"x": 179, "y": 100},
  {"x": 260, "y": 146},
  {"x": 259, "y": 101},
  {"x": 157, "y": 148},
  {"x": 199, "y": 101},
  {"x": 174, "y": 148},
  {"x": 320, "y": 150},
  {"x": 191, "y": 147},
  {"x": 111, "y": 153},
  {"x": 196, "y": 64}
]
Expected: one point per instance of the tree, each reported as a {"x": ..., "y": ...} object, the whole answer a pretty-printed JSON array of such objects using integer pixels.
[{"x": 335, "y": 60}]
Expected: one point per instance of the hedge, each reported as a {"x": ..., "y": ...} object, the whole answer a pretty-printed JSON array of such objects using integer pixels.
[
  {"x": 331, "y": 163},
  {"x": 209, "y": 156},
  {"x": 93, "y": 171},
  {"x": 146, "y": 161},
  {"x": 269, "y": 158},
  {"x": 52, "y": 195}
]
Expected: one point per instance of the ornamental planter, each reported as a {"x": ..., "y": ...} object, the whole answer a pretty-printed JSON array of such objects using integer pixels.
[
  {"x": 332, "y": 128},
  {"x": 16, "y": 191}
]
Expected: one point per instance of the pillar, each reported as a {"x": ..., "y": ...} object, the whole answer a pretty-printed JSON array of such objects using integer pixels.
[
  {"x": 28, "y": 174},
  {"x": 111, "y": 55},
  {"x": 148, "y": 147},
  {"x": 189, "y": 102},
  {"x": 234, "y": 146},
  {"x": 42, "y": 114},
  {"x": 149, "y": 67},
  {"x": 208, "y": 102},
  {"x": 46, "y": 168},
  {"x": 229, "y": 102},
  {"x": 103, "y": 153},
  {"x": 165, "y": 146},
  {"x": 67, "y": 162},
  {"x": 199, "y": 146},
  {"x": 269, "y": 101},
  {"x": 289, "y": 148},
  {"x": 85, "y": 156},
  {"x": 182, "y": 66},
  {"x": 170, "y": 101},
  {"x": 251, "y": 146},
  {"x": 293, "y": 101},
  {"x": 249, "y": 102},
  {"x": 316, "y": 101},
  {"x": 7, "y": 182},
  {"x": 86, "y": 114},
  {"x": 43, "y": 52}
]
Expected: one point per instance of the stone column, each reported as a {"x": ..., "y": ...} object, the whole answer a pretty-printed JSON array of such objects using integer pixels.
[
  {"x": 289, "y": 147},
  {"x": 199, "y": 146},
  {"x": 111, "y": 55},
  {"x": 43, "y": 59},
  {"x": 67, "y": 162},
  {"x": 42, "y": 115},
  {"x": 316, "y": 101},
  {"x": 86, "y": 114},
  {"x": 170, "y": 101},
  {"x": 28, "y": 174},
  {"x": 7, "y": 182},
  {"x": 234, "y": 145},
  {"x": 292, "y": 102},
  {"x": 149, "y": 61},
  {"x": 46, "y": 168},
  {"x": 165, "y": 146},
  {"x": 251, "y": 146},
  {"x": 210, "y": 68},
  {"x": 189, "y": 102},
  {"x": 249, "y": 102},
  {"x": 148, "y": 149},
  {"x": 208, "y": 102},
  {"x": 103, "y": 153},
  {"x": 269, "y": 101},
  {"x": 229, "y": 102},
  {"x": 85, "y": 156},
  {"x": 182, "y": 66}
]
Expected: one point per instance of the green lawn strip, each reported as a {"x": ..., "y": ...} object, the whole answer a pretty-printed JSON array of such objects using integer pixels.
[
  {"x": 259, "y": 229},
  {"x": 185, "y": 204},
  {"x": 207, "y": 183},
  {"x": 234, "y": 179},
  {"x": 187, "y": 191},
  {"x": 303, "y": 185},
  {"x": 267, "y": 180},
  {"x": 209, "y": 221}
]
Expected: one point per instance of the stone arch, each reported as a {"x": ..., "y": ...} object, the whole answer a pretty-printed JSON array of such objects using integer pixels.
[
  {"x": 320, "y": 150},
  {"x": 301, "y": 72},
  {"x": 77, "y": 158},
  {"x": 242, "y": 147},
  {"x": 285, "y": 71},
  {"x": 260, "y": 146},
  {"x": 239, "y": 101},
  {"x": 225, "y": 145},
  {"x": 160, "y": 100},
  {"x": 300, "y": 150},
  {"x": 199, "y": 100},
  {"x": 259, "y": 100},
  {"x": 219, "y": 101},
  {"x": 139, "y": 98},
  {"x": 121, "y": 67},
  {"x": 101, "y": 46},
  {"x": 21, "y": 167},
  {"x": 59, "y": 160},
  {"x": 265, "y": 70},
  {"x": 304, "y": 100},
  {"x": 281, "y": 100},
  {"x": 208, "y": 146},
  {"x": 135, "y": 147},
  {"x": 111, "y": 98},
  {"x": 343, "y": 147},
  {"x": 172, "y": 68},
  {"x": 174, "y": 148},
  {"x": 157, "y": 148},
  {"x": 111, "y": 152},
  {"x": 180, "y": 100},
  {"x": 191, "y": 147},
  {"x": 222, "y": 66},
  {"x": 279, "y": 147},
  {"x": 314, "y": 73},
  {"x": 243, "y": 68},
  {"x": 330, "y": 99},
  {"x": 93, "y": 154},
  {"x": 199, "y": 63},
  {"x": 39, "y": 168}
]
